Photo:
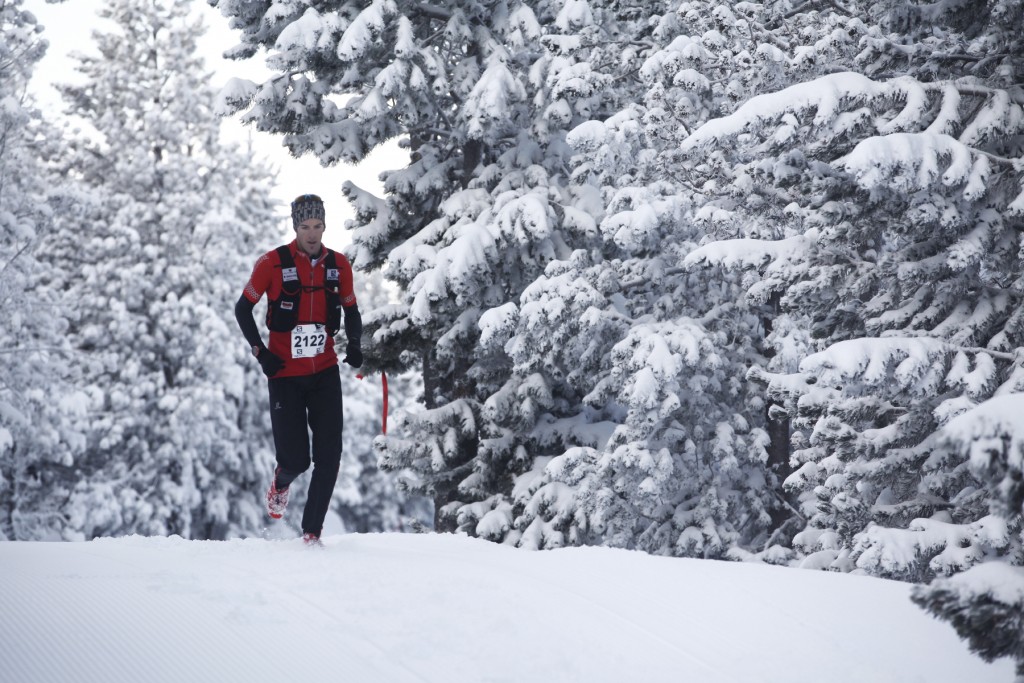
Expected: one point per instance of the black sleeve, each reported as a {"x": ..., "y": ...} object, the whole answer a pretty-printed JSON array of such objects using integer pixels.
[
  {"x": 353, "y": 326},
  {"x": 243, "y": 314}
]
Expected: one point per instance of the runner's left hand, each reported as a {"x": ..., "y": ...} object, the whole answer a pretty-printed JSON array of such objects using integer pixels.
[{"x": 353, "y": 355}]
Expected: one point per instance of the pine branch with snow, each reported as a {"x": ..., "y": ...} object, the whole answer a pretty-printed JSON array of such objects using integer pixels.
[{"x": 985, "y": 602}]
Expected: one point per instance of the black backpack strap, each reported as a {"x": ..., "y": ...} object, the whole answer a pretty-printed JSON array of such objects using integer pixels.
[
  {"x": 289, "y": 274},
  {"x": 283, "y": 312},
  {"x": 284, "y": 253},
  {"x": 332, "y": 290}
]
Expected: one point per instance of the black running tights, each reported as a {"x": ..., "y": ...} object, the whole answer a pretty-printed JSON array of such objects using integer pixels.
[{"x": 295, "y": 402}]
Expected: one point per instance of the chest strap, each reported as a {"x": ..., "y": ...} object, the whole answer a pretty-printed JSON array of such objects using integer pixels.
[{"x": 283, "y": 312}]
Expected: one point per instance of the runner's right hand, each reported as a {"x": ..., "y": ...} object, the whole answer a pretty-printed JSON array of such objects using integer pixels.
[{"x": 270, "y": 363}]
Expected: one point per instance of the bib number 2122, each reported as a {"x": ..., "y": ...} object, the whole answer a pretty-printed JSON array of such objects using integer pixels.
[{"x": 308, "y": 341}]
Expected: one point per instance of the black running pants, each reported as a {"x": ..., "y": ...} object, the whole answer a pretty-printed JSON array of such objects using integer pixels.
[{"x": 295, "y": 402}]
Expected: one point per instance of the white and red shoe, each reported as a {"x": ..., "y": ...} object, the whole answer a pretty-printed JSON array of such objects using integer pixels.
[
  {"x": 277, "y": 501},
  {"x": 312, "y": 540}
]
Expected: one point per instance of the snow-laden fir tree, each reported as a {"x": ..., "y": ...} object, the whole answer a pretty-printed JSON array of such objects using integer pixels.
[
  {"x": 156, "y": 255},
  {"x": 665, "y": 463},
  {"x": 690, "y": 469},
  {"x": 41, "y": 413},
  {"x": 886, "y": 213},
  {"x": 921, "y": 204}
]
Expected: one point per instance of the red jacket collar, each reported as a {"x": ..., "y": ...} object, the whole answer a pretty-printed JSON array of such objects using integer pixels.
[{"x": 297, "y": 253}]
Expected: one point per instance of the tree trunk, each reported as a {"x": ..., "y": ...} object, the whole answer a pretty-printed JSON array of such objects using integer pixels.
[{"x": 777, "y": 424}]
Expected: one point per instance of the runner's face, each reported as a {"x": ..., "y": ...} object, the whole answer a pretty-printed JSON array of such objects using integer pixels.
[{"x": 309, "y": 234}]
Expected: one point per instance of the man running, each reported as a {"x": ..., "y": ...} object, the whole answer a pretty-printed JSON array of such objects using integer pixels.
[{"x": 310, "y": 295}]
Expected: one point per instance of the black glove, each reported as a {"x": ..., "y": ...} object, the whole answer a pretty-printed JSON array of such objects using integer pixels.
[
  {"x": 353, "y": 333},
  {"x": 270, "y": 363},
  {"x": 353, "y": 355}
]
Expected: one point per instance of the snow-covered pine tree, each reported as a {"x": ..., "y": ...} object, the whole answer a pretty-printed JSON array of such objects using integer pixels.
[
  {"x": 155, "y": 260},
  {"x": 685, "y": 470},
  {"x": 491, "y": 237},
  {"x": 887, "y": 214},
  {"x": 915, "y": 274},
  {"x": 41, "y": 413},
  {"x": 484, "y": 94},
  {"x": 221, "y": 421}
]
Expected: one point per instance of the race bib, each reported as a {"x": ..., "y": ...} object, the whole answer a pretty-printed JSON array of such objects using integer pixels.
[{"x": 308, "y": 340}]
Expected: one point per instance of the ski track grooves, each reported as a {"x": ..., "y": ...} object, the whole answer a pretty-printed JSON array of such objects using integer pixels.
[
  {"x": 497, "y": 568},
  {"x": 707, "y": 666},
  {"x": 346, "y": 626},
  {"x": 101, "y": 619}
]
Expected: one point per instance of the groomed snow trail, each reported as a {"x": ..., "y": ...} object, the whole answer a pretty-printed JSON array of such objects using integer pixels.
[{"x": 448, "y": 609}]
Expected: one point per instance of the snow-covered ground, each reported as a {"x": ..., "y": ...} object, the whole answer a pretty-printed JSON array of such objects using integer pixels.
[{"x": 450, "y": 609}]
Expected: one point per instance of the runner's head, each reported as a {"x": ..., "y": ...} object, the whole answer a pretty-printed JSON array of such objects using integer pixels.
[
  {"x": 308, "y": 220},
  {"x": 307, "y": 206}
]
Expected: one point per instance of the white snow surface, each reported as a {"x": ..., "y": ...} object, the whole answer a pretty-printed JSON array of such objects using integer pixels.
[{"x": 451, "y": 609}]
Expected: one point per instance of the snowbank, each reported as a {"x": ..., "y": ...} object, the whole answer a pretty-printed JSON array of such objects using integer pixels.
[{"x": 395, "y": 608}]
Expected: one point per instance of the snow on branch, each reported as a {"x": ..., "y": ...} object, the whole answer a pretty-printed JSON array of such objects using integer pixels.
[
  {"x": 1016, "y": 207},
  {"x": 997, "y": 115},
  {"x": 659, "y": 361},
  {"x": 834, "y": 97},
  {"x": 491, "y": 99},
  {"x": 915, "y": 161},
  {"x": 823, "y": 95},
  {"x": 872, "y": 359},
  {"x": 992, "y": 435},
  {"x": 475, "y": 237},
  {"x": 370, "y": 230},
  {"x": 574, "y": 15},
  {"x": 236, "y": 95},
  {"x": 986, "y": 606},
  {"x": 749, "y": 253},
  {"x": 498, "y": 324},
  {"x": 676, "y": 60},
  {"x": 362, "y": 32},
  {"x": 945, "y": 547},
  {"x": 308, "y": 33},
  {"x": 921, "y": 364}
]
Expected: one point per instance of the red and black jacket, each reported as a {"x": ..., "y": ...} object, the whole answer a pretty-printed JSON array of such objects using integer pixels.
[{"x": 302, "y": 292}]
